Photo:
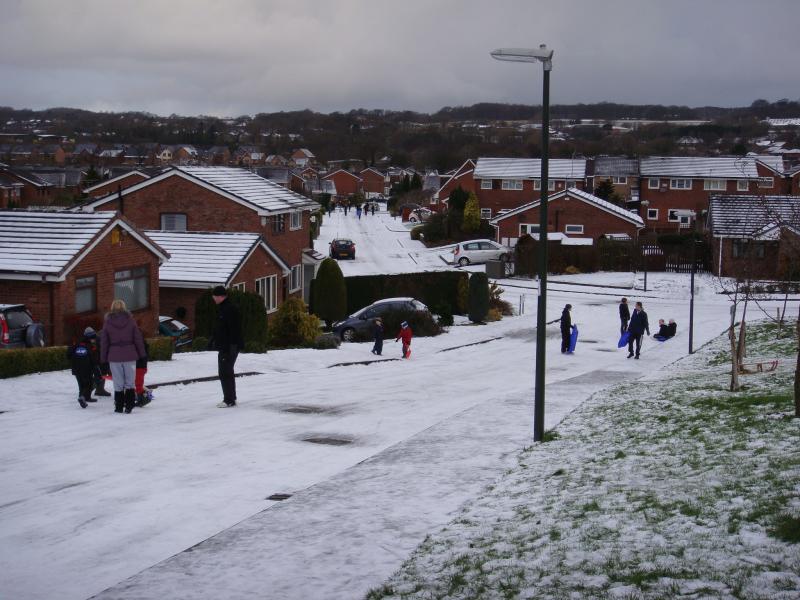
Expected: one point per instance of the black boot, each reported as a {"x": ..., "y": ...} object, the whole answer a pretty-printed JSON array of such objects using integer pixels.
[
  {"x": 130, "y": 400},
  {"x": 119, "y": 399},
  {"x": 81, "y": 401},
  {"x": 100, "y": 388}
]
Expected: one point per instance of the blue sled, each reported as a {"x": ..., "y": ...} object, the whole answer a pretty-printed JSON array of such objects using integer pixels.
[
  {"x": 573, "y": 340},
  {"x": 623, "y": 339}
]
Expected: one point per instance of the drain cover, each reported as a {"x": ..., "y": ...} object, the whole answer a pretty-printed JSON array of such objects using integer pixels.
[
  {"x": 306, "y": 410},
  {"x": 330, "y": 441},
  {"x": 278, "y": 497}
]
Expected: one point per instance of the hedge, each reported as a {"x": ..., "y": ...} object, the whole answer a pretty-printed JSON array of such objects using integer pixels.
[
  {"x": 24, "y": 361},
  {"x": 433, "y": 288},
  {"x": 252, "y": 315}
]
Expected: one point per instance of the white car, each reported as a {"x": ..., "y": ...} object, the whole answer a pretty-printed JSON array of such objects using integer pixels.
[
  {"x": 420, "y": 215},
  {"x": 479, "y": 251}
]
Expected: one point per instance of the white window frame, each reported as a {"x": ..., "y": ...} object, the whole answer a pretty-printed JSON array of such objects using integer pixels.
[
  {"x": 652, "y": 214},
  {"x": 241, "y": 287},
  {"x": 296, "y": 278},
  {"x": 576, "y": 229},
  {"x": 716, "y": 185},
  {"x": 267, "y": 288},
  {"x": 168, "y": 221},
  {"x": 551, "y": 185},
  {"x": 486, "y": 213},
  {"x": 653, "y": 183},
  {"x": 511, "y": 184},
  {"x": 619, "y": 180},
  {"x": 680, "y": 183},
  {"x": 296, "y": 221},
  {"x": 528, "y": 228},
  {"x": 766, "y": 182},
  {"x": 486, "y": 184}
]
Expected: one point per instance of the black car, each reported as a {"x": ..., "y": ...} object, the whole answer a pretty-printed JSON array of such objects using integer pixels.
[
  {"x": 18, "y": 329},
  {"x": 361, "y": 322},
  {"x": 343, "y": 248}
]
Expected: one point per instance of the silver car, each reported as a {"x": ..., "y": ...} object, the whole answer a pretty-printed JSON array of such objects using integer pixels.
[{"x": 479, "y": 251}]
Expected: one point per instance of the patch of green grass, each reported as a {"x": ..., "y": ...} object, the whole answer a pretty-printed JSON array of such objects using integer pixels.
[
  {"x": 592, "y": 506},
  {"x": 381, "y": 592},
  {"x": 689, "y": 510},
  {"x": 457, "y": 581},
  {"x": 550, "y": 435},
  {"x": 555, "y": 535},
  {"x": 619, "y": 454},
  {"x": 786, "y": 528}
]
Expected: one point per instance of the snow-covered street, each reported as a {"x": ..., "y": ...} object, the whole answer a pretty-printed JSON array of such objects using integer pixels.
[{"x": 91, "y": 498}]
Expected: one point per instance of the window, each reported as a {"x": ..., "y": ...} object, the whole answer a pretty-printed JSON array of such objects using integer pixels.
[
  {"x": 528, "y": 228},
  {"x": 133, "y": 286},
  {"x": 241, "y": 287},
  {"x": 486, "y": 184},
  {"x": 680, "y": 184},
  {"x": 742, "y": 185},
  {"x": 652, "y": 214},
  {"x": 745, "y": 248},
  {"x": 653, "y": 183},
  {"x": 297, "y": 278},
  {"x": 85, "y": 294},
  {"x": 551, "y": 184},
  {"x": 718, "y": 185},
  {"x": 572, "y": 183},
  {"x": 486, "y": 213},
  {"x": 573, "y": 229},
  {"x": 278, "y": 223},
  {"x": 766, "y": 182},
  {"x": 267, "y": 288},
  {"x": 512, "y": 184},
  {"x": 173, "y": 222},
  {"x": 619, "y": 180},
  {"x": 296, "y": 221}
]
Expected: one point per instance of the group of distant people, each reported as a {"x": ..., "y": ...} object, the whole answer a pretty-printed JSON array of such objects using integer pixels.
[{"x": 367, "y": 208}]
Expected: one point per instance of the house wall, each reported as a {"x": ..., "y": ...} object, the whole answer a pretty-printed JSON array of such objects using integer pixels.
[
  {"x": 113, "y": 186},
  {"x": 346, "y": 184},
  {"x": 747, "y": 267},
  {"x": 622, "y": 189},
  {"x": 372, "y": 182},
  {"x": 466, "y": 182},
  {"x": 499, "y": 199},
  {"x": 568, "y": 211}
]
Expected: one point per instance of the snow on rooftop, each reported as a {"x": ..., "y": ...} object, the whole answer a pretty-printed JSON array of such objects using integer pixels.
[
  {"x": 46, "y": 242},
  {"x": 729, "y": 167},
  {"x": 202, "y": 258},
  {"x": 529, "y": 168}
]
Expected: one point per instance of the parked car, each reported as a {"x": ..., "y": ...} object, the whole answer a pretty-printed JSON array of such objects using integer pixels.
[
  {"x": 173, "y": 328},
  {"x": 343, "y": 248},
  {"x": 479, "y": 251},
  {"x": 420, "y": 215},
  {"x": 361, "y": 321},
  {"x": 18, "y": 328}
]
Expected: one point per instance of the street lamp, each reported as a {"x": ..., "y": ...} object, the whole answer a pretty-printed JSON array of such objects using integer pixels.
[{"x": 545, "y": 56}]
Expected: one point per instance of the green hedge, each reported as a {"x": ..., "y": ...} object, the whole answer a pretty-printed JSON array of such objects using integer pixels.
[
  {"x": 433, "y": 288},
  {"x": 252, "y": 314},
  {"x": 25, "y": 361}
]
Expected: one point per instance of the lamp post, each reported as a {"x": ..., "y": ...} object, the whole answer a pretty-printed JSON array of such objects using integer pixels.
[
  {"x": 644, "y": 204},
  {"x": 545, "y": 56}
]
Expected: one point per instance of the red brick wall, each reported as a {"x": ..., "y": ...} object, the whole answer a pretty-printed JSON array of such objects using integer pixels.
[
  {"x": 101, "y": 262},
  {"x": 346, "y": 184},
  {"x": 569, "y": 211},
  {"x": 498, "y": 199},
  {"x": 113, "y": 186},
  {"x": 466, "y": 182},
  {"x": 372, "y": 182},
  {"x": 756, "y": 268}
]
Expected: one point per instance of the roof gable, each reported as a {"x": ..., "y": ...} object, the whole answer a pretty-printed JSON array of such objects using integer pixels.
[
  {"x": 529, "y": 168},
  {"x": 116, "y": 179},
  {"x": 752, "y": 216}
]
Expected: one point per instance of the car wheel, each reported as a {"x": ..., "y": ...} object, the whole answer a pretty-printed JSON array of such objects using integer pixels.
[
  {"x": 348, "y": 335},
  {"x": 34, "y": 336},
  {"x": 463, "y": 261}
]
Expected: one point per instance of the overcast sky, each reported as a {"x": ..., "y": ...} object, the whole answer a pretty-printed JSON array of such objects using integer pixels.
[{"x": 233, "y": 57}]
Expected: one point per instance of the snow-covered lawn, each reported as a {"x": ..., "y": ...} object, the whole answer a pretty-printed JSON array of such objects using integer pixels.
[
  {"x": 90, "y": 498},
  {"x": 665, "y": 487}
]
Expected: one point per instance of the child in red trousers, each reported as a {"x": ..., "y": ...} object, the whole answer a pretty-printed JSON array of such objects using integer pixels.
[
  {"x": 405, "y": 335},
  {"x": 143, "y": 395}
]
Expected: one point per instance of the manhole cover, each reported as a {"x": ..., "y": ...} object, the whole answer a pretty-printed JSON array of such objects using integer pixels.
[
  {"x": 330, "y": 441},
  {"x": 278, "y": 497},
  {"x": 307, "y": 410}
]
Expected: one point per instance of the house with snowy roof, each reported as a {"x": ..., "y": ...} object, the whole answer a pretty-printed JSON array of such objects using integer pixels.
[
  {"x": 220, "y": 199},
  {"x": 621, "y": 172},
  {"x": 374, "y": 183},
  {"x": 201, "y": 260},
  {"x": 462, "y": 178},
  {"x": 120, "y": 182},
  {"x": 35, "y": 191},
  {"x": 346, "y": 183},
  {"x": 508, "y": 183},
  {"x": 755, "y": 236},
  {"x": 303, "y": 157},
  {"x": 675, "y": 190},
  {"x": 572, "y": 214},
  {"x": 67, "y": 267}
]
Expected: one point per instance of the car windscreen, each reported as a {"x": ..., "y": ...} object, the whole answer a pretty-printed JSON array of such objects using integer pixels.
[
  {"x": 342, "y": 243},
  {"x": 17, "y": 319}
]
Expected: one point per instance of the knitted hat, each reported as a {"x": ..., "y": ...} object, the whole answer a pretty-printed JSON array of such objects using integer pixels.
[
  {"x": 219, "y": 291},
  {"x": 404, "y": 324},
  {"x": 89, "y": 333}
]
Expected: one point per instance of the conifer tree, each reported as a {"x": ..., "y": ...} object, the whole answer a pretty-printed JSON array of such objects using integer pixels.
[
  {"x": 472, "y": 215},
  {"x": 329, "y": 293}
]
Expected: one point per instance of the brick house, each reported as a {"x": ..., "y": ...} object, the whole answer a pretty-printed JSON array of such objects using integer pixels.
[
  {"x": 675, "y": 190},
  {"x": 754, "y": 236},
  {"x": 116, "y": 183},
  {"x": 10, "y": 192},
  {"x": 346, "y": 183},
  {"x": 623, "y": 173},
  {"x": 508, "y": 183},
  {"x": 201, "y": 260},
  {"x": 461, "y": 177},
  {"x": 67, "y": 267},
  {"x": 571, "y": 213},
  {"x": 794, "y": 181},
  {"x": 303, "y": 157},
  {"x": 34, "y": 192},
  {"x": 374, "y": 183},
  {"x": 220, "y": 199}
]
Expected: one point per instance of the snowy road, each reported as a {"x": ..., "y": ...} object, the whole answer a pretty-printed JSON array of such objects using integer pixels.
[{"x": 90, "y": 498}]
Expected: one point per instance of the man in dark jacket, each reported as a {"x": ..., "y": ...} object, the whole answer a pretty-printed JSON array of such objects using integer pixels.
[
  {"x": 566, "y": 328},
  {"x": 636, "y": 329},
  {"x": 624, "y": 316},
  {"x": 227, "y": 341}
]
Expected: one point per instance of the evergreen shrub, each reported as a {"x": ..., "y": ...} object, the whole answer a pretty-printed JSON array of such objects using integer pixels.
[
  {"x": 329, "y": 293},
  {"x": 252, "y": 314},
  {"x": 292, "y": 326},
  {"x": 199, "y": 344},
  {"x": 432, "y": 288},
  {"x": 422, "y": 324},
  {"x": 478, "y": 297},
  {"x": 327, "y": 341}
]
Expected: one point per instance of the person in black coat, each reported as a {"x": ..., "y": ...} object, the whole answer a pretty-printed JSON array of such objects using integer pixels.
[
  {"x": 636, "y": 329},
  {"x": 624, "y": 316},
  {"x": 83, "y": 365},
  {"x": 666, "y": 331},
  {"x": 227, "y": 341},
  {"x": 566, "y": 328},
  {"x": 377, "y": 329}
]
